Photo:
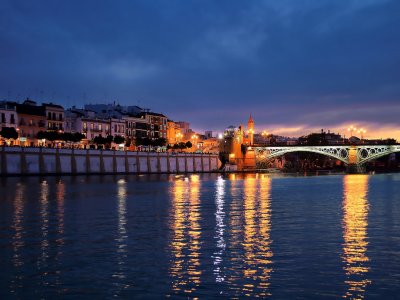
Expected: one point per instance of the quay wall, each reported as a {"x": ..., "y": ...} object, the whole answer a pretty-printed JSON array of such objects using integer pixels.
[{"x": 41, "y": 161}]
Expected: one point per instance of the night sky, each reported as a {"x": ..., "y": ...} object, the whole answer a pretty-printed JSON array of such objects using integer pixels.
[{"x": 297, "y": 66}]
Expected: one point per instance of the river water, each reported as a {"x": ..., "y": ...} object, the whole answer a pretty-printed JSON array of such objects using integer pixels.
[{"x": 200, "y": 236}]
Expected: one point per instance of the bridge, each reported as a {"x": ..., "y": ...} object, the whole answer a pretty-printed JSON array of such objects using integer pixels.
[{"x": 352, "y": 156}]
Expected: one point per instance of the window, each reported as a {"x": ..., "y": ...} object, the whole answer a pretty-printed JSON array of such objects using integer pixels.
[
  {"x": 54, "y": 116},
  {"x": 91, "y": 126},
  {"x": 100, "y": 127},
  {"x": 49, "y": 116},
  {"x": 3, "y": 117},
  {"x": 60, "y": 117},
  {"x": 12, "y": 121},
  {"x": 84, "y": 125}
]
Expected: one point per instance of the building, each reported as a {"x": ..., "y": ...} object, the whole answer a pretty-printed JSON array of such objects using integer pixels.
[
  {"x": 86, "y": 122},
  {"x": 117, "y": 127},
  {"x": 184, "y": 126},
  {"x": 8, "y": 119},
  {"x": 322, "y": 138},
  {"x": 174, "y": 134},
  {"x": 8, "y": 115},
  {"x": 250, "y": 131},
  {"x": 158, "y": 124},
  {"x": 208, "y": 134},
  {"x": 55, "y": 116},
  {"x": 113, "y": 109},
  {"x": 211, "y": 145},
  {"x": 31, "y": 120}
]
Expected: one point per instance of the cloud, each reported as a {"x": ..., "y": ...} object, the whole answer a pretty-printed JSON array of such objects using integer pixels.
[{"x": 300, "y": 65}]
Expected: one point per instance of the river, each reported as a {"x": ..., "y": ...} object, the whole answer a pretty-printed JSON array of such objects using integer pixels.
[{"x": 200, "y": 236}]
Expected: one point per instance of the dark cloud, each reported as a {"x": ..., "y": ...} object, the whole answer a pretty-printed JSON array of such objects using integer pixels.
[{"x": 209, "y": 62}]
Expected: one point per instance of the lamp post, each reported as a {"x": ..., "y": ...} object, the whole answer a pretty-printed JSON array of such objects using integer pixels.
[
  {"x": 361, "y": 131},
  {"x": 179, "y": 136},
  {"x": 264, "y": 134},
  {"x": 194, "y": 139},
  {"x": 351, "y": 129}
]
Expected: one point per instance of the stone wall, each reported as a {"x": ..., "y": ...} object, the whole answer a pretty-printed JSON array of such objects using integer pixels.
[{"x": 38, "y": 161}]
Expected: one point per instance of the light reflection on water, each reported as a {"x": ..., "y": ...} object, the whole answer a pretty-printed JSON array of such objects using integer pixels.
[
  {"x": 219, "y": 229},
  {"x": 121, "y": 238},
  {"x": 17, "y": 238},
  {"x": 257, "y": 241},
  {"x": 185, "y": 244},
  {"x": 199, "y": 237},
  {"x": 60, "y": 239},
  {"x": 355, "y": 223},
  {"x": 44, "y": 215}
]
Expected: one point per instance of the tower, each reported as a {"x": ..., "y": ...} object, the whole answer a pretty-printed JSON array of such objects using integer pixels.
[{"x": 250, "y": 130}]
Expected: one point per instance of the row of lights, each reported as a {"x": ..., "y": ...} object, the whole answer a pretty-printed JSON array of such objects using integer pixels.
[
  {"x": 180, "y": 135},
  {"x": 352, "y": 129}
]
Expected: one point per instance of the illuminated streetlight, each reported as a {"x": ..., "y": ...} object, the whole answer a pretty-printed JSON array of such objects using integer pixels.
[
  {"x": 179, "y": 136},
  {"x": 194, "y": 138},
  {"x": 351, "y": 129},
  {"x": 361, "y": 131}
]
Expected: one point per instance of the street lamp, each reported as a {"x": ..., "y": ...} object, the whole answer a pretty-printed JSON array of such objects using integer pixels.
[
  {"x": 194, "y": 138},
  {"x": 179, "y": 136},
  {"x": 361, "y": 131},
  {"x": 351, "y": 129}
]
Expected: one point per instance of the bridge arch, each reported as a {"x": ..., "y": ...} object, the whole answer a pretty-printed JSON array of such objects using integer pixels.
[
  {"x": 264, "y": 154},
  {"x": 368, "y": 153}
]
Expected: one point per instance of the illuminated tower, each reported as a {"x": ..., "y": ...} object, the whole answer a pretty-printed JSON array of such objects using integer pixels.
[{"x": 250, "y": 129}]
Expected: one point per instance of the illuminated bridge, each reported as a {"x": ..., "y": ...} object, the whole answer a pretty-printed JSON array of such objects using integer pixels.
[{"x": 350, "y": 155}]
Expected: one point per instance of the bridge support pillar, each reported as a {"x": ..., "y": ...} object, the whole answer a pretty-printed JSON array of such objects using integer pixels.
[{"x": 355, "y": 169}]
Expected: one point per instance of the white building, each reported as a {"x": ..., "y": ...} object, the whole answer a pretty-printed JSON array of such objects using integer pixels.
[
  {"x": 117, "y": 127},
  {"x": 86, "y": 122},
  {"x": 8, "y": 115}
]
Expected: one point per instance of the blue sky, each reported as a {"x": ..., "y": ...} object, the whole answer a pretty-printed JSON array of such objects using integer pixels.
[{"x": 295, "y": 65}]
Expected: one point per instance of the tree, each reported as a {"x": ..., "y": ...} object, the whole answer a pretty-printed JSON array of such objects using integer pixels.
[
  {"x": 159, "y": 142},
  {"x": 143, "y": 141},
  {"x": 390, "y": 142},
  {"x": 99, "y": 140},
  {"x": 49, "y": 135},
  {"x": 119, "y": 139},
  {"x": 128, "y": 142},
  {"x": 9, "y": 133},
  {"x": 182, "y": 145},
  {"x": 72, "y": 137},
  {"x": 189, "y": 144},
  {"x": 77, "y": 137}
]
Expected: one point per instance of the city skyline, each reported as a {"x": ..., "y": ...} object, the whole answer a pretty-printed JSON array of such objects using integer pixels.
[{"x": 296, "y": 67}]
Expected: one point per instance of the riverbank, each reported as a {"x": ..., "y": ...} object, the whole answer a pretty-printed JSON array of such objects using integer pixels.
[{"x": 18, "y": 161}]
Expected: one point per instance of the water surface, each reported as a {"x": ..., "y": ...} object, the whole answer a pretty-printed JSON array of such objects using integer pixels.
[{"x": 200, "y": 236}]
